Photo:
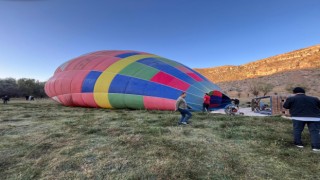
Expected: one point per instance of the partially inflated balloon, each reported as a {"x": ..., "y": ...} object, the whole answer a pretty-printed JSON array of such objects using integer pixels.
[{"x": 129, "y": 79}]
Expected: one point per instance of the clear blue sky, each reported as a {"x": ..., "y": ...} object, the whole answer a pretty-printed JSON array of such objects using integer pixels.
[{"x": 36, "y": 36}]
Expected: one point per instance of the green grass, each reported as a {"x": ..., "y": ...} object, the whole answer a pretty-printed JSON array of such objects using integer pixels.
[{"x": 44, "y": 140}]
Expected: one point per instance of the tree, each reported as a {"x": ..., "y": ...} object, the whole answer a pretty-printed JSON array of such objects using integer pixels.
[
  {"x": 38, "y": 90},
  {"x": 9, "y": 87},
  {"x": 254, "y": 88},
  {"x": 265, "y": 88},
  {"x": 26, "y": 86},
  {"x": 21, "y": 87}
]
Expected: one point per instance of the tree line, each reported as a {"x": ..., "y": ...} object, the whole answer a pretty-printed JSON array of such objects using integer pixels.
[{"x": 21, "y": 87}]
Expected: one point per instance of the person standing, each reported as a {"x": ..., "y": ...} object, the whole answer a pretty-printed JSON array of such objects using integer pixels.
[
  {"x": 304, "y": 110},
  {"x": 183, "y": 108},
  {"x": 236, "y": 102},
  {"x": 5, "y": 99},
  {"x": 206, "y": 102}
]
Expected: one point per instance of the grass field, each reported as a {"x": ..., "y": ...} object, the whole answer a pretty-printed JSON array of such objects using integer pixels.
[{"x": 44, "y": 140}]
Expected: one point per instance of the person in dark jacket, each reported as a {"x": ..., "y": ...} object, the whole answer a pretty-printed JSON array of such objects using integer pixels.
[
  {"x": 5, "y": 99},
  {"x": 304, "y": 110},
  {"x": 236, "y": 102}
]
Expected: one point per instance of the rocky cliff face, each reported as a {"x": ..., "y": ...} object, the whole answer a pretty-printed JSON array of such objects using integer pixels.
[
  {"x": 308, "y": 78},
  {"x": 307, "y": 58}
]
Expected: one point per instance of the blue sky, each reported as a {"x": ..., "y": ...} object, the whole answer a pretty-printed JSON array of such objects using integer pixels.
[{"x": 36, "y": 36}]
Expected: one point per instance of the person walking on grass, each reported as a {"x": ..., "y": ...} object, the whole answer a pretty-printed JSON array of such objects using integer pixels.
[
  {"x": 304, "y": 110},
  {"x": 206, "y": 102},
  {"x": 183, "y": 108},
  {"x": 5, "y": 99}
]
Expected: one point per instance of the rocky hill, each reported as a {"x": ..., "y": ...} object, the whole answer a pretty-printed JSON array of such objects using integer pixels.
[
  {"x": 281, "y": 82},
  {"x": 307, "y": 58},
  {"x": 296, "y": 68}
]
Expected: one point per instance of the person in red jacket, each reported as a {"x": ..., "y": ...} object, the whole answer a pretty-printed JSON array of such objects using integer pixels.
[{"x": 206, "y": 102}]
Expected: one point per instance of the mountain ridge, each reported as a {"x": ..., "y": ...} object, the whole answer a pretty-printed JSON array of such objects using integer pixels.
[{"x": 305, "y": 58}]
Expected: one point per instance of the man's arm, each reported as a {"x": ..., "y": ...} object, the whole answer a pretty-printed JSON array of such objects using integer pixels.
[
  {"x": 287, "y": 104},
  {"x": 318, "y": 103},
  {"x": 177, "y": 104}
]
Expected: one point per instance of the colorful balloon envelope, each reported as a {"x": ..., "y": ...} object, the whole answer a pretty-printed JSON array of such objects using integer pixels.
[{"x": 130, "y": 79}]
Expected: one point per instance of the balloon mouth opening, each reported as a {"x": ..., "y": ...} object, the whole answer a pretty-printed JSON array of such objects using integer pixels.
[{"x": 218, "y": 100}]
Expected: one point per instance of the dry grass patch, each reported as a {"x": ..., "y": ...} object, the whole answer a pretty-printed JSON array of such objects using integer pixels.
[{"x": 43, "y": 140}]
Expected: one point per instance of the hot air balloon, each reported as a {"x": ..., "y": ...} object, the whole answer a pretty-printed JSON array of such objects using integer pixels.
[{"x": 129, "y": 79}]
